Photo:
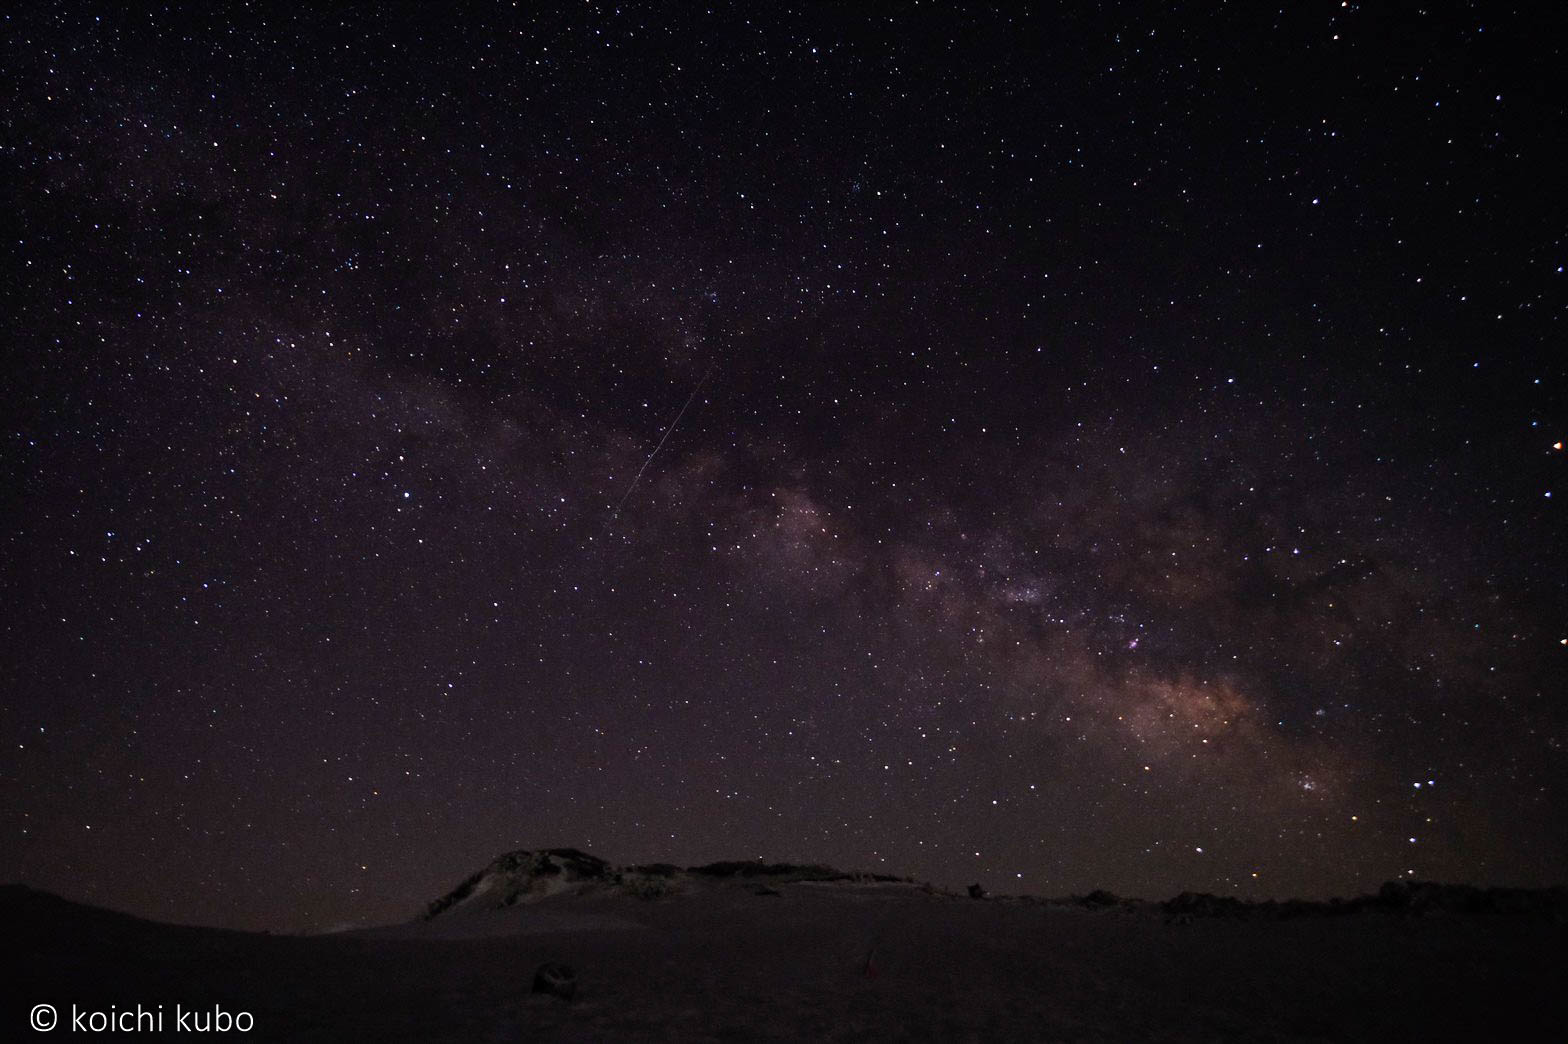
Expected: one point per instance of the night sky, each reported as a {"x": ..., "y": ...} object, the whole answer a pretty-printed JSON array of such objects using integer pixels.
[{"x": 1113, "y": 449}]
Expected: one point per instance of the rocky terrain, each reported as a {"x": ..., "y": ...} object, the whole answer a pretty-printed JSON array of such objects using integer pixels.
[{"x": 528, "y": 876}]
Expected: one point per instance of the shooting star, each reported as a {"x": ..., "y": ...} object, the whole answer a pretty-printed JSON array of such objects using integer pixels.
[{"x": 662, "y": 440}]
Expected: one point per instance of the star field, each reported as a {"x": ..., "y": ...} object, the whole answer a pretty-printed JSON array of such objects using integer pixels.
[{"x": 1061, "y": 450}]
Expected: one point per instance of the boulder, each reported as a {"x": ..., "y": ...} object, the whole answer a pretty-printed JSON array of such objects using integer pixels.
[{"x": 556, "y": 980}]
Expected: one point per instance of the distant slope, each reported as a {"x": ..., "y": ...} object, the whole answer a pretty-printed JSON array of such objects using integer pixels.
[{"x": 530, "y": 875}]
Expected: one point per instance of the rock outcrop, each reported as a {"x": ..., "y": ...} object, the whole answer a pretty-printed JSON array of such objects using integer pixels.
[{"x": 529, "y": 875}]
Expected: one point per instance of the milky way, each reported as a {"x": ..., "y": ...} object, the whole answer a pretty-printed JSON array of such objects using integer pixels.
[{"x": 1112, "y": 451}]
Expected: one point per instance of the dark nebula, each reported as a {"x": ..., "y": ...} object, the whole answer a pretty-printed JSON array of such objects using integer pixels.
[{"x": 1115, "y": 450}]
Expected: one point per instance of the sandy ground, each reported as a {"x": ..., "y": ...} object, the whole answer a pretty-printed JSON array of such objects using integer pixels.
[{"x": 818, "y": 962}]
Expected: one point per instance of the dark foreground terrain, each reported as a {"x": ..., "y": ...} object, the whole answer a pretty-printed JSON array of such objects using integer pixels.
[{"x": 789, "y": 959}]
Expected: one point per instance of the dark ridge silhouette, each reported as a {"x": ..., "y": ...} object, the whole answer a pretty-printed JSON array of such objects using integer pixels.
[
  {"x": 527, "y": 875},
  {"x": 795, "y": 871},
  {"x": 1409, "y": 898}
]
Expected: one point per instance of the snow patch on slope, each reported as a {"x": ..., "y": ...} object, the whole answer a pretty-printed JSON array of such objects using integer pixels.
[{"x": 530, "y": 876}]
